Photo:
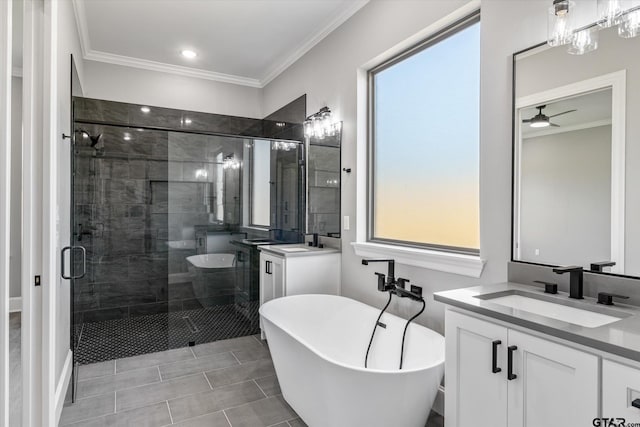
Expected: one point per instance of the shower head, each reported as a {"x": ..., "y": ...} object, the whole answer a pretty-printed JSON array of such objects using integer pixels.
[{"x": 93, "y": 138}]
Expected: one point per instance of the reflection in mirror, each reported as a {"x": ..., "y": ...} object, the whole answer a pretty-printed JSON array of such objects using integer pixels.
[
  {"x": 274, "y": 186},
  {"x": 323, "y": 185},
  {"x": 565, "y": 181},
  {"x": 260, "y": 183},
  {"x": 575, "y": 168}
]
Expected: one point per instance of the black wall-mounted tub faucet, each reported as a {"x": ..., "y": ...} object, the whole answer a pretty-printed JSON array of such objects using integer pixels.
[
  {"x": 575, "y": 280},
  {"x": 390, "y": 282}
]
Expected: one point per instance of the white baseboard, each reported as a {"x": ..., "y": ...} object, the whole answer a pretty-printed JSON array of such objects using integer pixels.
[
  {"x": 63, "y": 384},
  {"x": 438, "y": 405},
  {"x": 15, "y": 304}
]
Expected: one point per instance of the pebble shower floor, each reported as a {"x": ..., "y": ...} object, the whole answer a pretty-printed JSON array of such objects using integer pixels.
[{"x": 115, "y": 339}]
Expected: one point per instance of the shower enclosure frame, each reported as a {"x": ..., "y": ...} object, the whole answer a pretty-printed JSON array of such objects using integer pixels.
[{"x": 240, "y": 140}]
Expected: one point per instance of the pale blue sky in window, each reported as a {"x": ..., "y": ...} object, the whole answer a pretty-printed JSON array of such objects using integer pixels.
[{"x": 427, "y": 120}]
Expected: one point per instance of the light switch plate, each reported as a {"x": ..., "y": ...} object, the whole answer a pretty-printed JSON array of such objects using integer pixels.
[{"x": 346, "y": 222}]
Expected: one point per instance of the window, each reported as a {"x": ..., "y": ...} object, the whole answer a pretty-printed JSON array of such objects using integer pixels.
[{"x": 424, "y": 118}]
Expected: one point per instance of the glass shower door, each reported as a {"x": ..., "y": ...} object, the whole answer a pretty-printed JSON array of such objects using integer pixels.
[{"x": 204, "y": 214}]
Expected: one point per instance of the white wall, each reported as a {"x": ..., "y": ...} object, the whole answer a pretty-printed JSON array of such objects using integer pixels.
[
  {"x": 68, "y": 43},
  {"x": 327, "y": 74},
  {"x": 565, "y": 197},
  {"x": 15, "y": 266},
  {"x": 138, "y": 86}
]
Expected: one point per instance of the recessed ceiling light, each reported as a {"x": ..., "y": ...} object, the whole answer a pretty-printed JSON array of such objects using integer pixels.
[
  {"x": 189, "y": 54},
  {"x": 145, "y": 109},
  {"x": 127, "y": 137},
  {"x": 187, "y": 121}
]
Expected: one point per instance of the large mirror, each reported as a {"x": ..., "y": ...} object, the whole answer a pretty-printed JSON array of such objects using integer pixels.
[
  {"x": 323, "y": 185},
  {"x": 577, "y": 156}
]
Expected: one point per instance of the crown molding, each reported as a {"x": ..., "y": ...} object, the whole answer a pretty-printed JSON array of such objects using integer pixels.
[
  {"x": 81, "y": 23},
  {"x": 111, "y": 58},
  {"x": 354, "y": 6}
]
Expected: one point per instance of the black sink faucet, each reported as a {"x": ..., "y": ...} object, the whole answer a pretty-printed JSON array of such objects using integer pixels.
[
  {"x": 575, "y": 280},
  {"x": 315, "y": 242},
  {"x": 599, "y": 266},
  {"x": 390, "y": 282}
]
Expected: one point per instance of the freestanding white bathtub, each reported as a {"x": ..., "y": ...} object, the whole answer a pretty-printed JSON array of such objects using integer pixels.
[
  {"x": 318, "y": 345},
  {"x": 213, "y": 278}
]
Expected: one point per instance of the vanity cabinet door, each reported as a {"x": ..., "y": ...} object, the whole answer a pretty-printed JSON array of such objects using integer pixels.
[
  {"x": 620, "y": 387},
  {"x": 476, "y": 387},
  {"x": 271, "y": 280},
  {"x": 271, "y": 277},
  {"x": 554, "y": 385}
]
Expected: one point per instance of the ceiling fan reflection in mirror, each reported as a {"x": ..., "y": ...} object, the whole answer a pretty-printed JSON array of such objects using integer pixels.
[{"x": 541, "y": 120}]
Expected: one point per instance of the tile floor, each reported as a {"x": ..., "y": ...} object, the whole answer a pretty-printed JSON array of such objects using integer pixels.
[{"x": 219, "y": 384}]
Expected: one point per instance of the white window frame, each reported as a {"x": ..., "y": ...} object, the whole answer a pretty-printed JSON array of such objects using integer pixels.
[{"x": 466, "y": 264}]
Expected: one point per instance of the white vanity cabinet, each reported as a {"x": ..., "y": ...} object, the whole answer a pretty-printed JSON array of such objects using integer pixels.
[
  {"x": 620, "y": 387},
  {"x": 314, "y": 273},
  {"x": 548, "y": 384}
]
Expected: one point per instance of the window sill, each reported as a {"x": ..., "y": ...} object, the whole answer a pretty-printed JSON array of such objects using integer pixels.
[{"x": 464, "y": 265}]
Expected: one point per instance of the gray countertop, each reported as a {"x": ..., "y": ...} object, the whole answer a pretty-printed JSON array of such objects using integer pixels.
[
  {"x": 621, "y": 337},
  {"x": 297, "y": 250}
]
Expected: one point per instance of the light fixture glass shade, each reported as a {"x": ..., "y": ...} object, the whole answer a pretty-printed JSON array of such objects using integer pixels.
[
  {"x": 321, "y": 125},
  {"x": 629, "y": 24},
  {"x": 609, "y": 12},
  {"x": 560, "y": 23},
  {"x": 584, "y": 41}
]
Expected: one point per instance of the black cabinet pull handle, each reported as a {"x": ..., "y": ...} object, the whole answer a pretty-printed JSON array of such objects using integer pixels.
[
  {"x": 268, "y": 267},
  {"x": 494, "y": 356},
  {"x": 510, "y": 374},
  {"x": 636, "y": 403}
]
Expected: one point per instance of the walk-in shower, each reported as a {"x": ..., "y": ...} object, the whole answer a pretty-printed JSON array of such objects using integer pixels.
[{"x": 162, "y": 211}]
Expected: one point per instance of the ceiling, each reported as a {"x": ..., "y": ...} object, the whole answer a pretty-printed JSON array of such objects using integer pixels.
[
  {"x": 246, "y": 42},
  {"x": 593, "y": 109}
]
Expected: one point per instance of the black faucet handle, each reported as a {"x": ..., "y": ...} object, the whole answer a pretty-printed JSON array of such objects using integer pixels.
[
  {"x": 401, "y": 283},
  {"x": 382, "y": 282},
  {"x": 569, "y": 269},
  {"x": 606, "y": 298},
  {"x": 598, "y": 266},
  {"x": 549, "y": 287}
]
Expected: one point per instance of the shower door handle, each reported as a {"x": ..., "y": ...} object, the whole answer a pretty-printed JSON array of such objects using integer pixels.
[{"x": 71, "y": 250}]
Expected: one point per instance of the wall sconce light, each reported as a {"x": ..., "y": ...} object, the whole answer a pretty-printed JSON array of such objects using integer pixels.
[
  {"x": 284, "y": 146},
  {"x": 321, "y": 125},
  {"x": 230, "y": 162},
  {"x": 582, "y": 40}
]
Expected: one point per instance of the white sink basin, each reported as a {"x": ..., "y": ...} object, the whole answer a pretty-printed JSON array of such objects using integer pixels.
[
  {"x": 294, "y": 249},
  {"x": 577, "y": 316}
]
